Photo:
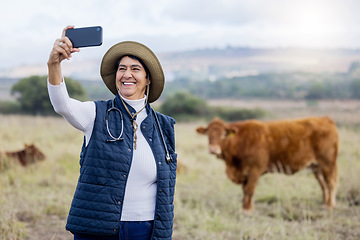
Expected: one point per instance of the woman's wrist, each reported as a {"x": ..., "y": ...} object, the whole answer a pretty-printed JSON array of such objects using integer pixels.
[{"x": 55, "y": 75}]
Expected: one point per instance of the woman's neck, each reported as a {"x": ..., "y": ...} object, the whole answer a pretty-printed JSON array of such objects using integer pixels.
[{"x": 136, "y": 104}]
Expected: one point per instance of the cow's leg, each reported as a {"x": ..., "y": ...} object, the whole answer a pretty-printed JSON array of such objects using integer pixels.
[
  {"x": 327, "y": 170},
  {"x": 327, "y": 178},
  {"x": 321, "y": 180},
  {"x": 249, "y": 189},
  {"x": 331, "y": 176}
]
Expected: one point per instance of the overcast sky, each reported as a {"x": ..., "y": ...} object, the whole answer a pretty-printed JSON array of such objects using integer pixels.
[{"x": 29, "y": 28}]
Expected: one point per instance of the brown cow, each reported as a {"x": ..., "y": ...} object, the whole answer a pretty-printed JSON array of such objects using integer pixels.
[
  {"x": 252, "y": 148},
  {"x": 181, "y": 167},
  {"x": 30, "y": 154}
]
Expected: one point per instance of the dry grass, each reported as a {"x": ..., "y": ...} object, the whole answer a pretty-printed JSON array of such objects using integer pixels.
[{"x": 34, "y": 201}]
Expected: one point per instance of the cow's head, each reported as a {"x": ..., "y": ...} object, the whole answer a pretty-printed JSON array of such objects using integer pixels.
[
  {"x": 217, "y": 130},
  {"x": 33, "y": 154}
]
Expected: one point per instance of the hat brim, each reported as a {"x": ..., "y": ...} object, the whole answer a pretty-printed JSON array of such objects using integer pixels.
[{"x": 108, "y": 66}]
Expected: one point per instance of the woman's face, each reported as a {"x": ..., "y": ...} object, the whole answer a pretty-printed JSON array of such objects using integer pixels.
[{"x": 131, "y": 78}]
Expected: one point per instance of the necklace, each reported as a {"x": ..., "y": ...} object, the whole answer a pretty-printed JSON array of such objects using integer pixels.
[{"x": 134, "y": 124}]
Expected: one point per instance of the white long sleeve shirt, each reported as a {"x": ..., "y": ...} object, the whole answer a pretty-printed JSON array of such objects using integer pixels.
[{"x": 140, "y": 191}]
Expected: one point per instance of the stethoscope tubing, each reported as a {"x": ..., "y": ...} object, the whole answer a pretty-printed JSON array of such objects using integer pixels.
[{"x": 113, "y": 108}]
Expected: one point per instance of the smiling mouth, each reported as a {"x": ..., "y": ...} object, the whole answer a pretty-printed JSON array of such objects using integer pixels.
[{"x": 128, "y": 83}]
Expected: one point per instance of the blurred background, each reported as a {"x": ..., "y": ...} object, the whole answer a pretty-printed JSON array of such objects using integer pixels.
[
  {"x": 218, "y": 49},
  {"x": 233, "y": 59}
]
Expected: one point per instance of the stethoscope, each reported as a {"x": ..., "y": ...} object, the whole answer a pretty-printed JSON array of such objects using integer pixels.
[
  {"x": 113, "y": 108},
  {"x": 119, "y": 138}
]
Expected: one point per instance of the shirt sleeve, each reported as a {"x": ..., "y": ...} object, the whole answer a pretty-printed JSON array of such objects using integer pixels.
[{"x": 80, "y": 115}]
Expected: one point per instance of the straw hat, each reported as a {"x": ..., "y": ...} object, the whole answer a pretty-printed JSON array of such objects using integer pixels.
[{"x": 108, "y": 66}]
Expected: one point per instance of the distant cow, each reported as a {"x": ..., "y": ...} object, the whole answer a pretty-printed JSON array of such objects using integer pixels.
[
  {"x": 252, "y": 148},
  {"x": 181, "y": 167},
  {"x": 30, "y": 154}
]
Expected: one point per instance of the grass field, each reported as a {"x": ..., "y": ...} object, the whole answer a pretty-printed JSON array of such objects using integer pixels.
[{"x": 34, "y": 201}]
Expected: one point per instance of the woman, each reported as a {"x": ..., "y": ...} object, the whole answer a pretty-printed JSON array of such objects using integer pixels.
[{"x": 128, "y": 163}]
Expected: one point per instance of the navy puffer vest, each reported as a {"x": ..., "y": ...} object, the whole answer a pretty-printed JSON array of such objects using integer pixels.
[{"x": 104, "y": 166}]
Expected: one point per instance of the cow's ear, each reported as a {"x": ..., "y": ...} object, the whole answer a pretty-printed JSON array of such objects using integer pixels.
[
  {"x": 26, "y": 145},
  {"x": 231, "y": 131},
  {"x": 201, "y": 130}
]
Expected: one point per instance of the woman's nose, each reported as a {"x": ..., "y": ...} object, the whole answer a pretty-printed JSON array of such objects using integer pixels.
[{"x": 127, "y": 74}]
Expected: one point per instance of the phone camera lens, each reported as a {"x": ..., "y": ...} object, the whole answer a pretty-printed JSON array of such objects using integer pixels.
[{"x": 98, "y": 29}]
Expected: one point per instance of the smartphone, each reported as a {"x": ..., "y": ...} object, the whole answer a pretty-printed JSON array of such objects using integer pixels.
[{"x": 85, "y": 37}]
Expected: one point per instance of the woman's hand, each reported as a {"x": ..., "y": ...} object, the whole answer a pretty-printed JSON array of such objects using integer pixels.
[{"x": 62, "y": 49}]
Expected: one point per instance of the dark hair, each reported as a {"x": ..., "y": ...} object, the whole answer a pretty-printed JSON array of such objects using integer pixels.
[{"x": 135, "y": 58}]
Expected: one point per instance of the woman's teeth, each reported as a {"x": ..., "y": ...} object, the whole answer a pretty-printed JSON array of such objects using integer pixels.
[{"x": 128, "y": 83}]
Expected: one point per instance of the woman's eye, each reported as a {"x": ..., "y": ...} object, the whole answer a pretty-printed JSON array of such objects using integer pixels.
[
  {"x": 136, "y": 69},
  {"x": 121, "y": 69}
]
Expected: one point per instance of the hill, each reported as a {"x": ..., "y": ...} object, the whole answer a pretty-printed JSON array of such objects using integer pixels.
[
  {"x": 210, "y": 65},
  {"x": 214, "y": 62},
  {"x": 239, "y": 61}
]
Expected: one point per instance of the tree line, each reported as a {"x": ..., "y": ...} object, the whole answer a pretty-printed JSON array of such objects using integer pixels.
[
  {"x": 32, "y": 98},
  {"x": 292, "y": 85},
  {"x": 188, "y": 97}
]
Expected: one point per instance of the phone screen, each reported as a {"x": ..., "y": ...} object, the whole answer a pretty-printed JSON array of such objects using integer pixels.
[{"x": 85, "y": 37}]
